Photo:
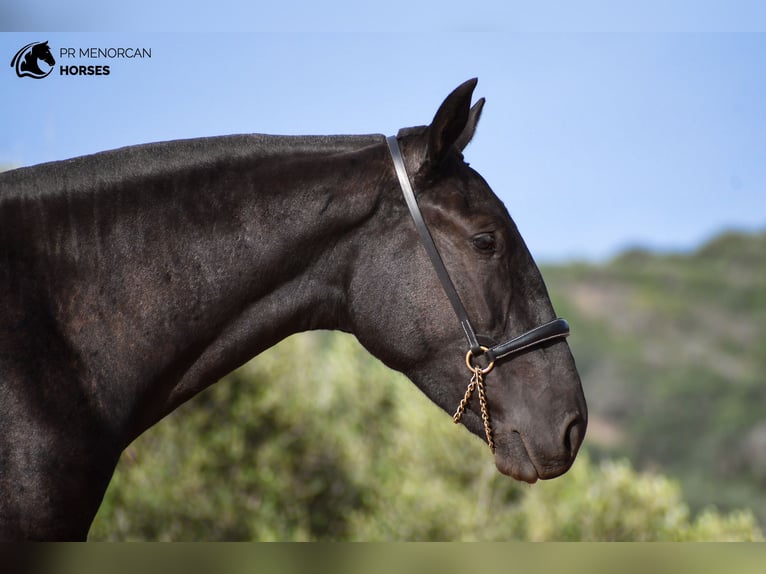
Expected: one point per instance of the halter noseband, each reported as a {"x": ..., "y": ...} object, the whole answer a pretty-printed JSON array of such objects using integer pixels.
[{"x": 557, "y": 328}]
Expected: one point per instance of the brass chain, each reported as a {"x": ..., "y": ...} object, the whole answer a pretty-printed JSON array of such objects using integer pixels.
[
  {"x": 477, "y": 381},
  {"x": 464, "y": 403}
]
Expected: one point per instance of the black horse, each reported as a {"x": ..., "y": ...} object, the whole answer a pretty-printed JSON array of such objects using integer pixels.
[
  {"x": 26, "y": 60},
  {"x": 131, "y": 280}
]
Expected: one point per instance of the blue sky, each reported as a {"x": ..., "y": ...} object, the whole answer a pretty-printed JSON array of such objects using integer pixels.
[{"x": 601, "y": 136}]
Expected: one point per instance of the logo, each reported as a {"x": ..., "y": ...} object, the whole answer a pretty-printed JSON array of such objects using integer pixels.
[
  {"x": 27, "y": 60},
  {"x": 35, "y": 60}
]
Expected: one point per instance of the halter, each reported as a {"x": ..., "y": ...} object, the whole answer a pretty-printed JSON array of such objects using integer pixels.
[{"x": 555, "y": 329}]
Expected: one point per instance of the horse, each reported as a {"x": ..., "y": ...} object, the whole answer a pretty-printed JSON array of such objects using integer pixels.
[
  {"x": 132, "y": 279},
  {"x": 26, "y": 60}
]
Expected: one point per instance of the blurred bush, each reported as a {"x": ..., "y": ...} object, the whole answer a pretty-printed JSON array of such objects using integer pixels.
[{"x": 334, "y": 446}]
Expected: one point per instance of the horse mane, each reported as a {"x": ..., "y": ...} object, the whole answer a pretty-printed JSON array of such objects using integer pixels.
[
  {"x": 30, "y": 58},
  {"x": 156, "y": 160}
]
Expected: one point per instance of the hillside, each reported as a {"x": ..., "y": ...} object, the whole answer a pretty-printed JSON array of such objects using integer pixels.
[{"x": 672, "y": 352}]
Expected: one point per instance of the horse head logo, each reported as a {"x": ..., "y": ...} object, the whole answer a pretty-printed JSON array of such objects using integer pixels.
[{"x": 27, "y": 60}]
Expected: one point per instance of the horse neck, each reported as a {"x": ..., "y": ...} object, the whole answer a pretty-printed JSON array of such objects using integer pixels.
[{"x": 173, "y": 276}]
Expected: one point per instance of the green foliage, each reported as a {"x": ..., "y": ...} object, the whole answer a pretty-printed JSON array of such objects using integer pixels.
[
  {"x": 613, "y": 503},
  {"x": 671, "y": 352},
  {"x": 334, "y": 446},
  {"x": 258, "y": 456}
]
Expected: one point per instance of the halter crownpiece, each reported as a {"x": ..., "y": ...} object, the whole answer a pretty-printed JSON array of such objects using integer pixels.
[{"x": 557, "y": 328}]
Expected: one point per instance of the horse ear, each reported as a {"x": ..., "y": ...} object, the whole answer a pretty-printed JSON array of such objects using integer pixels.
[
  {"x": 450, "y": 122},
  {"x": 470, "y": 127}
]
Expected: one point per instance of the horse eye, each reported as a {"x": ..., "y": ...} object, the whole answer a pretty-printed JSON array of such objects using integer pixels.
[{"x": 484, "y": 242}]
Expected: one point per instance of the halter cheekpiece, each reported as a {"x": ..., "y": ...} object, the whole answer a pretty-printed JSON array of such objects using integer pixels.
[{"x": 555, "y": 329}]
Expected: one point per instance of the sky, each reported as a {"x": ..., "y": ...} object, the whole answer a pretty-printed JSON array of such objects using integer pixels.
[{"x": 604, "y": 129}]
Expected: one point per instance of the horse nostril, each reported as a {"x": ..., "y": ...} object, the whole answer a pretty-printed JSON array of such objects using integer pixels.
[{"x": 574, "y": 435}]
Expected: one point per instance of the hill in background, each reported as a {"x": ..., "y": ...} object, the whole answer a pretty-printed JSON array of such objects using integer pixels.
[{"x": 672, "y": 353}]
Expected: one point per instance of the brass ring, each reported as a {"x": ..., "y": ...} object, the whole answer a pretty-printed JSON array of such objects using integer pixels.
[{"x": 473, "y": 369}]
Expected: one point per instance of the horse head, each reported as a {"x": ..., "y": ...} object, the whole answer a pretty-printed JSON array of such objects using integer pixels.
[
  {"x": 535, "y": 400},
  {"x": 43, "y": 52},
  {"x": 26, "y": 61}
]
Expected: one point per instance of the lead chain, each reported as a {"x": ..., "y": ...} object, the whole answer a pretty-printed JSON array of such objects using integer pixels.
[{"x": 477, "y": 381}]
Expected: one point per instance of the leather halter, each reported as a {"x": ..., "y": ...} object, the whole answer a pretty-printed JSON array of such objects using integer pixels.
[{"x": 557, "y": 328}]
